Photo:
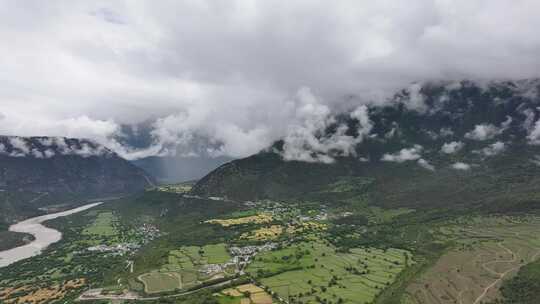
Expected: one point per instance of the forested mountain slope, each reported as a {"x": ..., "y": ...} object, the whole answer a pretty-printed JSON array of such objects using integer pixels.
[{"x": 435, "y": 145}]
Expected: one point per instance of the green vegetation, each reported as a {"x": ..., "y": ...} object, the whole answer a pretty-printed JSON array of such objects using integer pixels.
[
  {"x": 216, "y": 254},
  {"x": 349, "y": 184},
  {"x": 103, "y": 225},
  {"x": 185, "y": 268},
  {"x": 10, "y": 239},
  {"x": 524, "y": 288},
  {"x": 347, "y": 252},
  {"x": 313, "y": 270},
  {"x": 158, "y": 282}
]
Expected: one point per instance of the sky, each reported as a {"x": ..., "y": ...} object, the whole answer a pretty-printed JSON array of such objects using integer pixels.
[{"x": 238, "y": 75}]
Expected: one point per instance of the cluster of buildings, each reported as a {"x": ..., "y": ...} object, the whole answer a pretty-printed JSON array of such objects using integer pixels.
[
  {"x": 243, "y": 255},
  {"x": 145, "y": 233},
  {"x": 118, "y": 249},
  {"x": 148, "y": 232}
]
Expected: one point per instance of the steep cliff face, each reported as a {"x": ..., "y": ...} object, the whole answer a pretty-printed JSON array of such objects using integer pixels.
[
  {"x": 451, "y": 144},
  {"x": 39, "y": 171}
]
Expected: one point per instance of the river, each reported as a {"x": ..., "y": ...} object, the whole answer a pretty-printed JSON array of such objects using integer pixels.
[{"x": 43, "y": 236}]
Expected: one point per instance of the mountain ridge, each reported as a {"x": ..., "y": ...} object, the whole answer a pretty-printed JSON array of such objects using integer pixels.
[
  {"x": 464, "y": 143},
  {"x": 36, "y": 172}
]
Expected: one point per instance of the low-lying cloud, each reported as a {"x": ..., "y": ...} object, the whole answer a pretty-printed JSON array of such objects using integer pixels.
[
  {"x": 461, "y": 166},
  {"x": 452, "y": 147},
  {"x": 483, "y": 132},
  {"x": 306, "y": 139},
  {"x": 49, "y": 147},
  {"x": 493, "y": 149},
  {"x": 403, "y": 155}
]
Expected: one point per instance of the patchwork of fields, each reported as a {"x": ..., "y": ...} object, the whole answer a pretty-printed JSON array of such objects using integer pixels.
[
  {"x": 314, "y": 271},
  {"x": 244, "y": 294},
  {"x": 188, "y": 266}
]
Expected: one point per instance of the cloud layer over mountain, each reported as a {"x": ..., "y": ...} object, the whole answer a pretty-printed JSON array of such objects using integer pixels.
[{"x": 230, "y": 72}]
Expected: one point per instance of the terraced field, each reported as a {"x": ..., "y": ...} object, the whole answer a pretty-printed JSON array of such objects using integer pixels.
[
  {"x": 488, "y": 251},
  {"x": 313, "y": 271}
]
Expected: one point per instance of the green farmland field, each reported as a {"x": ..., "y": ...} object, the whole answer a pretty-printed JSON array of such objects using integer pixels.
[
  {"x": 103, "y": 225},
  {"x": 313, "y": 270},
  {"x": 156, "y": 282}
]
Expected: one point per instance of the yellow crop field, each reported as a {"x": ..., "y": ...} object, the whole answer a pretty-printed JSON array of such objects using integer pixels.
[
  {"x": 264, "y": 233},
  {"x": 305, "y": 226},
  {"x": 47, "y": 294},
  {"x": 256, "y": 219},
  {"x": 245, "y": 294}
]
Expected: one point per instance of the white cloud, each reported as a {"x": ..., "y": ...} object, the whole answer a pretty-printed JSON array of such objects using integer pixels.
[
  {"x": 534, "y": 135},
  {"x": 224, "y": 75},
  {"x": 403, "y": 155},
  {"x": 446, "y": 132},
  {"x": 306, "y": 139},
  {"x": 425, "y": 164},
  {"x": 49, "y": 147},
  {"x": 19, "y": 145},
  {"x": 506, "y": 124},
  {"x": 494, "y": 149},
  {"x": 452, "y": 147},
  {"x": 415, "y": 100},
  {"x": 48, "y": 153},
  {"x": 528, "y": 123},
  {"x": 461, "y": 166},
  {"x": 483, "y": 132}
]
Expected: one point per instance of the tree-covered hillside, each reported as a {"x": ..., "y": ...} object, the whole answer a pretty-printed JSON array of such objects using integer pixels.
[{"x": 446, "y": 145}]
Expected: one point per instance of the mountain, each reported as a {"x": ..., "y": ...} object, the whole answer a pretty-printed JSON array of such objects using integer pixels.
[
  {"x": 453, "y": 145},
  {"x": 42, "y": 171}
]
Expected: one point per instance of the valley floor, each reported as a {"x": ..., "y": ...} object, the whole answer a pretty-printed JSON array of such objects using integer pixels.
[{"x": 165, "y": 246}]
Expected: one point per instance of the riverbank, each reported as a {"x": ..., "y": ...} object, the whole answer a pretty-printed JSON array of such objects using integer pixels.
[
  {"x": 43, "y": 236},
  {"x": 10, "y": 239}
]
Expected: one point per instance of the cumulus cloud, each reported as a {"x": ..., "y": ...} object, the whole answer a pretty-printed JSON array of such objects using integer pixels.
[
  {"x": 461, "y": 166},
  {"x": 80, "y": 69},
  {"x": 403, "y": 155},
  {"x": 452, "y": 147}
]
